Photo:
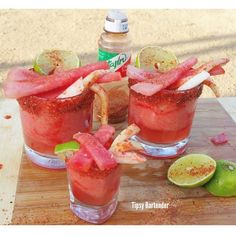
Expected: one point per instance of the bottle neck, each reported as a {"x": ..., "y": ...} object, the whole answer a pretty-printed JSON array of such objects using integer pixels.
[{"x": 116, "y": 33}]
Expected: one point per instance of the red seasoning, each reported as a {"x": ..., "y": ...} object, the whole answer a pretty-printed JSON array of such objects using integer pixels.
[
  {"x": 7, "y": 117},
  {"x": 1, "y": 166}
]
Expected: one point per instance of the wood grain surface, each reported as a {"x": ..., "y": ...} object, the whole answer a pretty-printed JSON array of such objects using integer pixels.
[
  {"x": 11, "y": 143},
  {"x": 42, "y": 195}
]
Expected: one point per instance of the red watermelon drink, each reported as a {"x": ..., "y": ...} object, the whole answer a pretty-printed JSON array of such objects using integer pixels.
[
  {"x": 53, "y": 107},
  {"x": 164, "y": 115},
  {"x": 93, "y": 169},
  {"x": 93, "y": 192},
  {"x": 163, "y": 103},
  {"x": 94, "y": 179},
  {"x": 165, "y": 119},
  {"x": 49, "y": 121},
  {"x": 163, "y": 98}
]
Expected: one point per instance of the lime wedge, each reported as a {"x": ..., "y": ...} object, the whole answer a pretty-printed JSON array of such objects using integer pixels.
[
  {"x": 49, "y": 60},
  {"x": 66, "y": 150},
  {"x": 192, "y": 170},
  {"x": 223, "y": 183},
  {"x": 151, "y": 57}
]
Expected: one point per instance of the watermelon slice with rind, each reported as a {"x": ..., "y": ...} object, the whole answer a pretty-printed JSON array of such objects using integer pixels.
[
  {"x": 152, "y": 86},
  {"x": 141, "y": 74},
  {"x": 103, "y": 158},
  {"x": 22, "y": 82},
  {"x": 213, "y": 67}
]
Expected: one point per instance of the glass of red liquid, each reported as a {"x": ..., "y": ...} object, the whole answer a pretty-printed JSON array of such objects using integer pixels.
[
  {"x": 165, "y": 120},
  {"x": 47, "y": 121},
  {"x": 93, "y": 193}
]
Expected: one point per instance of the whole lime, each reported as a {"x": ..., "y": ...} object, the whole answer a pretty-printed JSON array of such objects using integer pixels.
[{"x": 223, "y": 183}]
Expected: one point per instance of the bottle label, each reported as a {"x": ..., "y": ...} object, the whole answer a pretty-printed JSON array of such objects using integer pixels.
[{"x": 117, "y": 61}]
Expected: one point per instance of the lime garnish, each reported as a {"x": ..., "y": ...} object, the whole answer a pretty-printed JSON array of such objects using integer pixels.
[
  {"x": 152, "y": 57},
  {"x": 49, "y": 60},
  {"x": 192, "y": 170},
  {"x": 66, "y": 150}
]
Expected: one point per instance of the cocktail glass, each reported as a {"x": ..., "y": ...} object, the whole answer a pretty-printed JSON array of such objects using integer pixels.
[
  {"x": 165, "y": 120},
  {"x": 47, "y": 122},
  {"x": 93, "y": 194}
]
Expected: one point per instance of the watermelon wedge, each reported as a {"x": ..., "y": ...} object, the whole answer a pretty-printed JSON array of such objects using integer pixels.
[
  {"x": 105, "y": 135},
  {"x": 152, "y": 86},
  {"x": 213, "y": 68},
  {"x": 141, "y": 74},
  {"x": 22, "y": 82},
  {"x": 217, "y": 70},
  {"x": 103, "y": 158},
  {"x": 81, "y": 161},
  {"x": 109, "y": 77}
]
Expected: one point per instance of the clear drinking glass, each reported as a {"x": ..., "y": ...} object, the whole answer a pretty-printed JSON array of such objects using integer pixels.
[
  {"x": 165, "y": 119},
  {"x": 47, "y": 122},
  {"x": 93, "y": 194}
]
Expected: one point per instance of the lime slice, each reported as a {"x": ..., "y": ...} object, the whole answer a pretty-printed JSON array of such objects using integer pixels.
[
  {"x": 66, "y": 150},
  {"x": 192, "y": 170},
  {"x": 223, "y": 182},
  {"x": 49, "y": 60},
  {"x": 152, "y": 57}
]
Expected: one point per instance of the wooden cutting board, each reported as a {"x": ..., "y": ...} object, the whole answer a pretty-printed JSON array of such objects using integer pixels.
[{"x": 42, "y": 195}]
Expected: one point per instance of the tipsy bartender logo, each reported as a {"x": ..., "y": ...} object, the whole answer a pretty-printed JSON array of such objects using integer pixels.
[
  {"x": 149, "y": 205},
  {"x": 118, "y": 61}
]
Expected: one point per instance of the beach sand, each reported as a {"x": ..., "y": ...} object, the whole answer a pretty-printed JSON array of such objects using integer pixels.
[{"x": 207, "y": 34}]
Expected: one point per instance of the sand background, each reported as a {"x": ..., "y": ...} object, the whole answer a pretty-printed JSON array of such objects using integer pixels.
[{"x": 207, "y": 34}]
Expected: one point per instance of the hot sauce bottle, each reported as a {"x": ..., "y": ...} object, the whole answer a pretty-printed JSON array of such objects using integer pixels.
[
  {"x": 114, "y": 46},
  {"x": 114, "y": 43}
]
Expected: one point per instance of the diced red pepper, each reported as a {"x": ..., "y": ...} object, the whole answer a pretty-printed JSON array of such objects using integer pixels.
[{"x": 219, "y": 139}]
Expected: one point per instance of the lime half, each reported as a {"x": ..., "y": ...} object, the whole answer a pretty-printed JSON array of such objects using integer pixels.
[
  {"x": 49, "y": 60},
  {"x": 223, "y": 182},
  {"x": 66, "y": 150},
  {"x": 192, "y": 170},
  {"x": 151, "y": 57}
]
